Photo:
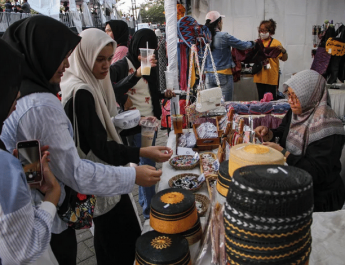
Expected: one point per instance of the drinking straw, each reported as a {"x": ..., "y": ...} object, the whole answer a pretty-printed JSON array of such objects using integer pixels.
[
  {"x": 147, "y": 45},
  {"x": 174, "y": 107}
]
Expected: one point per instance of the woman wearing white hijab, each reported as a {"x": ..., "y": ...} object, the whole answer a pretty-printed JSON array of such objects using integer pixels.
[{"x": 89, "y": 101}]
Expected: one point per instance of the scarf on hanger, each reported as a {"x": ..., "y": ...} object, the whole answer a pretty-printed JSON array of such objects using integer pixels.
[
  {"x": 317, "y": 120},
  {"x": 45, "y": 42},
  {"x": 120, "y": 31},
  {"x": 80, "y": 76},
  {"x": 11, "y": 77}
]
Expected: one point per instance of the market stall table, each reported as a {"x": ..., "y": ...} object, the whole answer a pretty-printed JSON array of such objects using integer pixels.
[
  {"x": 337, "y": 97},
  {"x": 328, "y": 236}
]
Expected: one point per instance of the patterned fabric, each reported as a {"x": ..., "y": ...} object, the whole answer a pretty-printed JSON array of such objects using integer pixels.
[
  {"x": 80, "y": 215},
  {"x": 317, "y": 120},
  {"x": 57, "y": 132},
  {"x": 273, "y": 225},
  {"x": 162, "y": 62},
  {"x": 140, "y": 94},
  {"x": 120, "y": 52},
  {"x": 321, "y": 61},
  {"x": 25, "y": 230},
  {"x": 192, "y": 33}
]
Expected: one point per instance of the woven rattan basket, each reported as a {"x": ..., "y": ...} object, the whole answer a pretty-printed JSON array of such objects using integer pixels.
[
  {"x": 171, "y": 181},
  {"x": 204, "y": 201},
  {"x": 187, "y": 167}
]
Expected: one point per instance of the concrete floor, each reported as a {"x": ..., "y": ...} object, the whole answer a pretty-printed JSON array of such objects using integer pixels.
[{"x": 86, "y": 252}]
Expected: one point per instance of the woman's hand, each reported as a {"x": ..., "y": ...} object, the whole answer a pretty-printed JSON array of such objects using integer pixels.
[
  {"x": 156, "y": 153},
  {"x": 281, "y": 48},
  {"x": 261, "y": 131},
  {"x": 149, "y": 118},
  {"x": 169, "y": 94},
  {"x": 147, "y": 176},
  {"x": 50, "y": 187},
  {"x": 153, "y": 60},
  {"x": 274, "y": 146}
]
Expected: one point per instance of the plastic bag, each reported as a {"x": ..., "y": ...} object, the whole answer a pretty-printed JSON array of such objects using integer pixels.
[
  {"x": 205, "y": 240},
  {"x": 207, "y": 130}
]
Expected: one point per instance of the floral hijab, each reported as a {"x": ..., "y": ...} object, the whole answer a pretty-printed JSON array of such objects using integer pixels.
[{"x": 317, "y": 120}]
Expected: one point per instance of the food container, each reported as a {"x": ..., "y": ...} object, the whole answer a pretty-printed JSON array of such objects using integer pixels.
[{"x": 127, "y": 120}]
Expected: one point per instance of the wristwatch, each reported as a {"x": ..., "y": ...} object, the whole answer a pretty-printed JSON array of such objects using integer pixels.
[{"x": 283, "y": 151}]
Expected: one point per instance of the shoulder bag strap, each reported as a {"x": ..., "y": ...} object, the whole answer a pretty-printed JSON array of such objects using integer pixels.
[
  {"x": 193, "y": 56},
  {"x": 208, "y": 50}
]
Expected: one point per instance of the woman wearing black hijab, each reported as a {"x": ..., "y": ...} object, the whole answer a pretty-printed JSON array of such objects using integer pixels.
[
  {"x": 143, "y": 93},
  {"x": 46, "y": 44},
  {"x": 118, "y": 31},
  {"x": 28, "y": 229}
]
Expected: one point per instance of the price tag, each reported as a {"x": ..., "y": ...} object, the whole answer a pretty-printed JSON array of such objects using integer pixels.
[
  {"x": 330, "y": 50},
  {"x": 185, "y": 151},
  {"x": 201, "y": 178}
]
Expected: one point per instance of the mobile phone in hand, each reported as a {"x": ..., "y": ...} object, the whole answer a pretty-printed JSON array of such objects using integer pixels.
[{"x": 29, "y": 154}]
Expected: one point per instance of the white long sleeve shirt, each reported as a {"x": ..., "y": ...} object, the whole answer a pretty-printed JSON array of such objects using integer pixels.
[
  {"x": 25, "y": 230},
  {"x": 41, "y": 116}
]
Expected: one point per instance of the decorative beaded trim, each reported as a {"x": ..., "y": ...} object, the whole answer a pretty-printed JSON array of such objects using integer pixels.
[
  {"x": 298, "y": 262},
  {"x": 267, "y": 248},
  {"x": 275, "y": 193},
  {"x": 264, "y": 235},
  {"x": 269, "y": 220},
  {"x": 270, "y": 257},
  {"x": 260, "y": 227}
]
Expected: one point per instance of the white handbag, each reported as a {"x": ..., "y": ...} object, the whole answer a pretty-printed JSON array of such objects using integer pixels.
[{"x": 208, "y": 99}]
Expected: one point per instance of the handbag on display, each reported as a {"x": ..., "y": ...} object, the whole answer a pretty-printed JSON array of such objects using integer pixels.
[
  {"x": 208, "y": 99},
  {"x": 321, "y": 61}
]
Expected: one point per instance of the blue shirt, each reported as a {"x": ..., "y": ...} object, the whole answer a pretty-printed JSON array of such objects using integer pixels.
[
  {"x": 222, "y": 43},
  {"x": 25, "y": 230},
  {"x": 41, "y": 116}
]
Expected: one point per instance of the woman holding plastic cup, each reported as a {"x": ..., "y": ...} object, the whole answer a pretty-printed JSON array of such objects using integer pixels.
[{"x": 143, "y": 90}]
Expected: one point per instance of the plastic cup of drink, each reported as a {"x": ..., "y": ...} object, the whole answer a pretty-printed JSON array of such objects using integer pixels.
[
  {"x": 177, "y": 122},
  {"x": 146, "y": 55},
  {"x": 169, "y": 79},
  {"x": 148, "y": 129}
]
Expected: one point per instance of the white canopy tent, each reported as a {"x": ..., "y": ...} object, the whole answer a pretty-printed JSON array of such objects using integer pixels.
[{"x": 294, "y": 18}]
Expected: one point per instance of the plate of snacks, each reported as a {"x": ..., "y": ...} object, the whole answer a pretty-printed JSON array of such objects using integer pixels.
[
  {"x": 191, "y": 182},
  {"x": 202, "y": 203},
  {"x": 209, "y": 164},
  {"x": 184, "y": 162}
]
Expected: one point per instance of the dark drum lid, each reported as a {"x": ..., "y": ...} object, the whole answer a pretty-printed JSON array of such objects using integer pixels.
[
  {"x": 157, "y": 248},
  {"x": 173, "y": 201},
  {"x": 273, "y": 177},
  {"x": 224, "y": 169}
]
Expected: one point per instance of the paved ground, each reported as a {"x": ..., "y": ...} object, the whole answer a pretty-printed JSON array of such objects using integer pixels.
[{"x": 86, "y": 251}]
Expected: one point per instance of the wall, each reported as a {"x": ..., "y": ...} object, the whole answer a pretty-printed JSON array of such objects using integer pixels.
[{"x": 294, "y": 23}]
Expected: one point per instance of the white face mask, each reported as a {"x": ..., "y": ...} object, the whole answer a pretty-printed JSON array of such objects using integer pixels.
[{"x": 264, "y": 35}]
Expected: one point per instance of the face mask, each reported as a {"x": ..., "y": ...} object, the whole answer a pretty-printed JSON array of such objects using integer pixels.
[{"x": 264, "y": 35}]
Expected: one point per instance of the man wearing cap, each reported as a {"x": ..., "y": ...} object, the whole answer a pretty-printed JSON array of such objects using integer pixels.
[{"x": 221, "y": 52}]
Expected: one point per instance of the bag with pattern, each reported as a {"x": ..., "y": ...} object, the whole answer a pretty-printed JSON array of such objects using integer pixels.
[
  {"x": 321, "y": 61},
  {"x": 77, "y": 209}
]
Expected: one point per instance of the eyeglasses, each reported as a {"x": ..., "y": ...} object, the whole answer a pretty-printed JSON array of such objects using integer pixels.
[
  {"x": 263, "y": 30},
  {"x": 292, "y": 98}
]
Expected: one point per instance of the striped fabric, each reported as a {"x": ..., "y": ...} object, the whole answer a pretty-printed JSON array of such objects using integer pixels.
[
  {"x": 24, "y": 234},
  {"x": 41, "y": 116},
  {"x": 24, "y": 230}
]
